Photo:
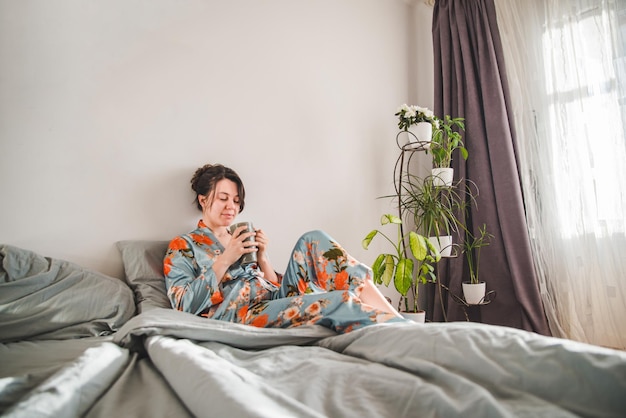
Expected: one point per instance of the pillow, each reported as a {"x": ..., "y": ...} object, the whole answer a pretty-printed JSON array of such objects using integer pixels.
[
  {"x": 143, "y": 267},
  {"x": 43, "y": 298}
]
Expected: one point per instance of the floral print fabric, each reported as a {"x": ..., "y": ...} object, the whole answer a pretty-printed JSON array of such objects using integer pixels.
[{"x": 321, "y": 285}]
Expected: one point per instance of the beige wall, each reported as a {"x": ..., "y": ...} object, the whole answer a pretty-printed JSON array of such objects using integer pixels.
[{"x": 107, "y": 108}]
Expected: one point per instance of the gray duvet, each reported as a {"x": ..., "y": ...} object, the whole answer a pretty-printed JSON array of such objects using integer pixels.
[
  {"x": 389, "y": 370},
  {"x": 164, "y": 363},
  {"x": 45, "y": 298}
]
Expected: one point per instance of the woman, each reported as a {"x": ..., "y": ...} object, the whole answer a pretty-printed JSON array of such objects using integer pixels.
[{"x": 322, "y": 284}]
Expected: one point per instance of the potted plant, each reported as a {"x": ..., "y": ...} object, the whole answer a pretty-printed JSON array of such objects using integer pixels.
[
  {"x": 418, "y": 122},
  {"x": 474, "y": 290},
  {"x": 433, "y": 209},
  {"x": 446, "y": 139},
  {"x": 400, "y": 267}
]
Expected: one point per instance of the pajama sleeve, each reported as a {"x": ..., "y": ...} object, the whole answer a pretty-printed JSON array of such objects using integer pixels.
[{"x": 191, "y": 283}]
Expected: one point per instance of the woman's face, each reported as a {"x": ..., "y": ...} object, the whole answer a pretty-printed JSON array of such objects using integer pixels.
[{"x": 220, "y": 208}]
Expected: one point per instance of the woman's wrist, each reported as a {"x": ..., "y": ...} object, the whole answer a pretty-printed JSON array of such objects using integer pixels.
[
  {"x": 266, "y": 267},
  {"x": 220, "y": 267}
]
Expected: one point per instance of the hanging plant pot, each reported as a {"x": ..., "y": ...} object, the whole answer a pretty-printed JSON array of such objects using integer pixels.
[
  {"x": 443, "y": 244},
  {"x": 474, "y": 292},
  {"x": 421, "y": 134},
  {"x": 415, "y": 316},
  {"x": 442, "y": 177}
]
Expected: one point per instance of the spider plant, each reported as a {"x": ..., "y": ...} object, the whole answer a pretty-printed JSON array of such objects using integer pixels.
[{"x": 433, "y": 209}]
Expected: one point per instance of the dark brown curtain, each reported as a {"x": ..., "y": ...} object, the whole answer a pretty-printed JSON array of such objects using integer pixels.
[{"x": 470, "y": 82}]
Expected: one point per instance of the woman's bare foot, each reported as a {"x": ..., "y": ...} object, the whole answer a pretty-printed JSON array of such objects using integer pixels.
[{"x": 370, "y": 295}]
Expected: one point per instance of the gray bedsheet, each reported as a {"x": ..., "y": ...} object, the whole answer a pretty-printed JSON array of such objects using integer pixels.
[
  {"x": 390, "y": 370},
  {"x": 166, "y": 363},
  {"x": 57, "y": 378}
]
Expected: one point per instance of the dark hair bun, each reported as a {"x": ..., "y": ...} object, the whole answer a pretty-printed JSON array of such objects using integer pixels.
[{"x": 197, "y": 176}]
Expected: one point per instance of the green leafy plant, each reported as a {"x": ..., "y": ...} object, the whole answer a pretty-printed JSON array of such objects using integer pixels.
[
  {"x": 399, "y": 266},
  {"x": 471, "y": 248},
  {"x": 446, "y": 139},
  {"x": 410, "y": 115},
  {"x": 434, "y": 209}
]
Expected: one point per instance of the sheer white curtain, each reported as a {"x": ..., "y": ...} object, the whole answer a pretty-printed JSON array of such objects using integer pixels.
[{"x": 567, "y": 73}]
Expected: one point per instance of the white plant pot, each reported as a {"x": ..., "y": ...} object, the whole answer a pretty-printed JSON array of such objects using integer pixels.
[
  {"x": 421, "y": 134},
  {"x": 415, "y": 316},
  {"x": 442, "y": 177},
  {"x": 474, "y": 293},
  {"x": 443, "y": 244}
]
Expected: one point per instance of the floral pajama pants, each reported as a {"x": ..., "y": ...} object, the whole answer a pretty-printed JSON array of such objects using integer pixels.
[{"x": 321, "y": 285}]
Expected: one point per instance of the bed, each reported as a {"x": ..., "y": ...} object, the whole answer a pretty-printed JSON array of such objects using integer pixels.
[{"x": 77, "y": 343}]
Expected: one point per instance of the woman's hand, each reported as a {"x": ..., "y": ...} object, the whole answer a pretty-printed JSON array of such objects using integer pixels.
[
  {"x": 263, "y": 259},
  {"x": 262, "y": 242},
  {"x": 238, "y": 246}
]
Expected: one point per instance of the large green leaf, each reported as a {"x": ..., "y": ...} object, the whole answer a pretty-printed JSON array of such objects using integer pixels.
[
  {"x": 389, "y": 267},
  {"x": 435, "y": 254},
  {"x": 378, "y": 268},
  {"x": 368, "y": 239},
  {"x": 418, "y": 245},
  {"x": 404, "y": 276},
  {"x": 427, "y": 271},
  {"x": 390, "y": 219}
]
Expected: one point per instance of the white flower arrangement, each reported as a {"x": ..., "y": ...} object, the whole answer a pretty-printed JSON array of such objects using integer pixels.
[{"x": 410, "y": 115}]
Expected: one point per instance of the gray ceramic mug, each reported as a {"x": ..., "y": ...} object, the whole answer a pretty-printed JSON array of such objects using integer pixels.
[{"x": 250, "y": 257}]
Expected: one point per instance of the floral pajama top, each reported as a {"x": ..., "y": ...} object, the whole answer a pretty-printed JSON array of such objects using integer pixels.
[{"x": 321, "y": 285}]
